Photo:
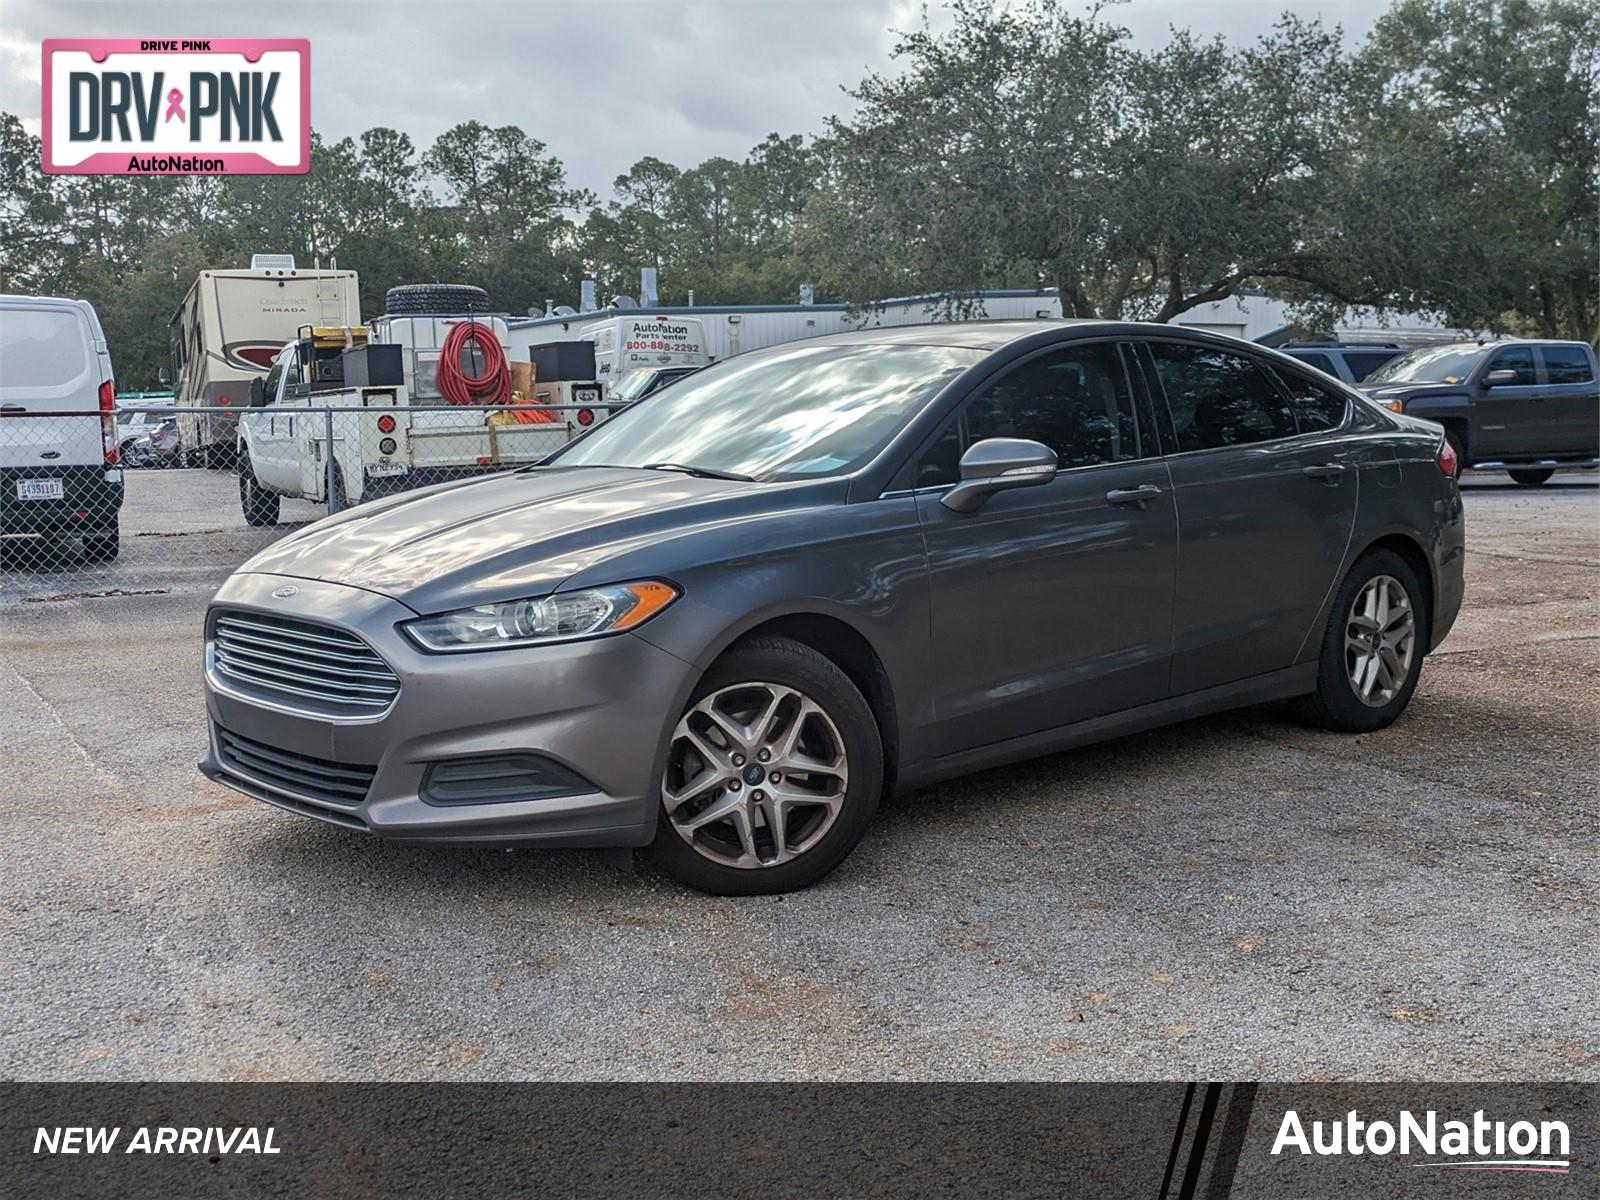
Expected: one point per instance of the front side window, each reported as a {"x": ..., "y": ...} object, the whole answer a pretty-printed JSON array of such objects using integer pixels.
[
  {"x": 1567, "y": 364},
  {"x": 790, "y": 412},
  {"x": 1520, "y": 360},
  {"x": 1219, "y": 399},
  {"x": 1074, "y": 400}
]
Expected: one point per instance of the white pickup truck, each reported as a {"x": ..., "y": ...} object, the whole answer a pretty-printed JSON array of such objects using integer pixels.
[{"x": 379, "y": 441}]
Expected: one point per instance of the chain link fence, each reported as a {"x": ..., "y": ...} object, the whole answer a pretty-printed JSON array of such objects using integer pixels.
[{"x": 160, "y": 499}]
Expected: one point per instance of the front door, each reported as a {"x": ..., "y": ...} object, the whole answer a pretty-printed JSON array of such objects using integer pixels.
[
  {"x": 1050, "y": 604},
  {"x": 1510, "y": 416},
  {"x": 1266, "y": 501}
]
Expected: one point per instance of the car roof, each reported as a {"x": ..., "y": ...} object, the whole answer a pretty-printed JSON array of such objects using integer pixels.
[{"x": 992, "y": 335}]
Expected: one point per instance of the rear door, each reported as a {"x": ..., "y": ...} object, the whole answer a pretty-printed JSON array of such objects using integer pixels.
[
  {"x": 1572, "y": 401},
  {"x": 1050, "y": 604},
  {"x": 52, "y": 438},
  {"x": 1265, "y": 505},
  {"x": 49, "y": 366}
]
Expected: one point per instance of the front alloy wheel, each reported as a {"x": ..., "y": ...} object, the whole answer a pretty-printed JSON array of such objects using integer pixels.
[
  {"x": 756, "y": 776},
  {"x": 772, "y": 772}
]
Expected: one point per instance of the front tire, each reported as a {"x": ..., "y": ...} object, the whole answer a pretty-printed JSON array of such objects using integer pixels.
[
  {"x": 1372, "y": 650},
  {"x": 260, "y": 507},
  {"x": 1531, "y": 477},
  {"x": 774, "y": 770}
]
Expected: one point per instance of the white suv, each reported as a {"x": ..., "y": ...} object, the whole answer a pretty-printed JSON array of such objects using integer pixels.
[{"x": 60, "y": 479}]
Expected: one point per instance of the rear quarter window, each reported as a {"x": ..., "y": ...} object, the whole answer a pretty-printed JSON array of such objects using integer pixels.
[
  {"x": 1364, "y": 362},
  {"x": 41, "y": 347},
  {"x": 1320, "y": 361}
]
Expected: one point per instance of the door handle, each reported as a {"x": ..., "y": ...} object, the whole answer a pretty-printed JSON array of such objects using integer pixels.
[
  {"x": 1142, "y": 494},
  {"x": 1327, "y": 471}
]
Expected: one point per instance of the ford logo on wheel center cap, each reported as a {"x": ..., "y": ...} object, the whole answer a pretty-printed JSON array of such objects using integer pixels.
[{"x": 286, "y": 591}]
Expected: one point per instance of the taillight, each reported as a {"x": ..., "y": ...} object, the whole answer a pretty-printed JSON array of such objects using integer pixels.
[
  {"x": 108, "y": 422},
  {"x": 1447, "y": 458},
  {"x": 1398, "y": 406},
  {"x": 385, "y": 424},
  {"x": 586, "y": 416}
]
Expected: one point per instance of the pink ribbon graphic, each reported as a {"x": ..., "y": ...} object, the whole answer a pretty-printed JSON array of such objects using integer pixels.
[{"x": 175, "y": 105}]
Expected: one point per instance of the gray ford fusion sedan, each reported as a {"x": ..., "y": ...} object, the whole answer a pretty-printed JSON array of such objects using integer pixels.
[{"x": 723, "y": 623}]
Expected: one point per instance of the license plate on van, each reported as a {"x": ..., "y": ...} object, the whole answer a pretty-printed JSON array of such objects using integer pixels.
[
  {"x": 39, "y": 489},
  {"x": 387, "y": 468}
]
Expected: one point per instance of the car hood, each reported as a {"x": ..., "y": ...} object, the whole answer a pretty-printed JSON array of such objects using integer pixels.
[
  {"x": 1387, "y": 391},
  {"x": 514, "y": 535}
]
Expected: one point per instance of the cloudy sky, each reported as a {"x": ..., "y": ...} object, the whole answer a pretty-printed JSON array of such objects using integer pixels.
[{"x": 601, "y": 83}]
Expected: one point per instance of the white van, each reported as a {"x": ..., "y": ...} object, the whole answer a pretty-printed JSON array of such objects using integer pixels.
[{"x": 60, "y": 481}]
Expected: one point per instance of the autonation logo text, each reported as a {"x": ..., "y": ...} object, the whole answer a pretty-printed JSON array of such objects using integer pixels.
[{"x": 1476, "y": 1145}]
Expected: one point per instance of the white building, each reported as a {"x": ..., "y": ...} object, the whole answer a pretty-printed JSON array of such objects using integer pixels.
[{"x": 732, "y": 329}]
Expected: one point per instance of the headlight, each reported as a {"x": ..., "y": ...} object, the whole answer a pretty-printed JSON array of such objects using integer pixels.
[
  {"x": 1395, "y": 405},
  {"x": 563, "y": 617}
]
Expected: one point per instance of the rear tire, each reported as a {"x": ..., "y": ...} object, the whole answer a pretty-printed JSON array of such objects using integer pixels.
[
  {"x": 1371, "y": 655},
  {"x": 1532, "y": 477},
  {"x": 260, "y": 506},
  {"x": 838, "y": 734},
  {"x": 104, "y": 547}
]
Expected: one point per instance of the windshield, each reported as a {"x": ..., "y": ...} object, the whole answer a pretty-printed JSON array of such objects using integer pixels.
[
  {"x": 1442, "y": 364},
  {"x": 633, "y": 385},
  {"x": 796, "y": 412}
]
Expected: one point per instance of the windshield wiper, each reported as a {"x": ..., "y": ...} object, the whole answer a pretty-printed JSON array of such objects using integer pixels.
[{"x": 698, "y": 472}]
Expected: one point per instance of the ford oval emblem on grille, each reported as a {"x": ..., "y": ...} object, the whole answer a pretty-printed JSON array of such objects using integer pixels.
[{"x": 286, "y": 591}]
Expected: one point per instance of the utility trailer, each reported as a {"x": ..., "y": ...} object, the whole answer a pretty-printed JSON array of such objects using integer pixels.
[{"x": 334, "y": 422}]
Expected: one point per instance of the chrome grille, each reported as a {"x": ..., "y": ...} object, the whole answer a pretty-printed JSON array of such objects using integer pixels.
[
  {"x": 297, "y": 664},
  {"x": 297, "y": 774}
]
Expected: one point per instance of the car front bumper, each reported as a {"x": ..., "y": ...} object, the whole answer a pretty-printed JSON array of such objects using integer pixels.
[{"x": 599, "y": 709}]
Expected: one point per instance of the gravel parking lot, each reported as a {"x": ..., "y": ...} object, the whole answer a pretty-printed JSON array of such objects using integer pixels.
[{"x": 1239, "y": 897}]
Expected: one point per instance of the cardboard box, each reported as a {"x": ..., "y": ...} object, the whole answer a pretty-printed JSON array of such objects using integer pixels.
[{"x": 522, "y": 377}]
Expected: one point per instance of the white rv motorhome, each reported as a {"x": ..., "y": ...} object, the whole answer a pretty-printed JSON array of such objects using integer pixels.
[{"x": 230, "y": 328}]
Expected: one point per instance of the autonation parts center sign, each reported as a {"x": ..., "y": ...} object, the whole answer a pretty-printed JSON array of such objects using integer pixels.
[{"x": 213, "y": 106}]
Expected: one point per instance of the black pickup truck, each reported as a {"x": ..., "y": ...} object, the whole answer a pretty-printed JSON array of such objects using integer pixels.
[{"x": 1524, "y": 407}]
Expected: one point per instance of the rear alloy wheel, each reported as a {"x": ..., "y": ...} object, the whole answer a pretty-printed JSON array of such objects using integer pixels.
[
  {"x": 773, "y": 772},
  {"x": 1372, "y": 651},
  {"x": 1531, "y": 477}
]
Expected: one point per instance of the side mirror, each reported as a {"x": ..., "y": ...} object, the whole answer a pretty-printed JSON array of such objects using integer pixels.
[
  {"x": 164, "y": 377},
  {"x": 1500, "y": 378},
  {"x": 998, "y": 465},
  {"x": 258, "y": 392}
]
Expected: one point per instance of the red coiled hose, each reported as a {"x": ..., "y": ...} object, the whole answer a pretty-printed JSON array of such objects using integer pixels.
[{"x": 493, "y": 386}]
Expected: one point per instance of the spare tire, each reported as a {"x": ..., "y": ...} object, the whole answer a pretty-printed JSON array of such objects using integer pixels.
[{"x": 435, "y": 298}]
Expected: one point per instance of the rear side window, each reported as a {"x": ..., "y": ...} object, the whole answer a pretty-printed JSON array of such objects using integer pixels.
[
  {"x": 1219, "y": 399},
  {"x": 1364, "y": 362},
  {"x": 1518, "y": 359},
  {"x": 1074, "y": 400},
  {"x": 1317, "y": 407},
  {"x": 1320, "y": 361},
  {"x": 41, "y": 347},
  {"x": 1567, "y": 364}
]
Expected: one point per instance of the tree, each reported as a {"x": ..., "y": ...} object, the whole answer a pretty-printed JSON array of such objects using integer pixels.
[{"x": 1472, "y": 187}]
